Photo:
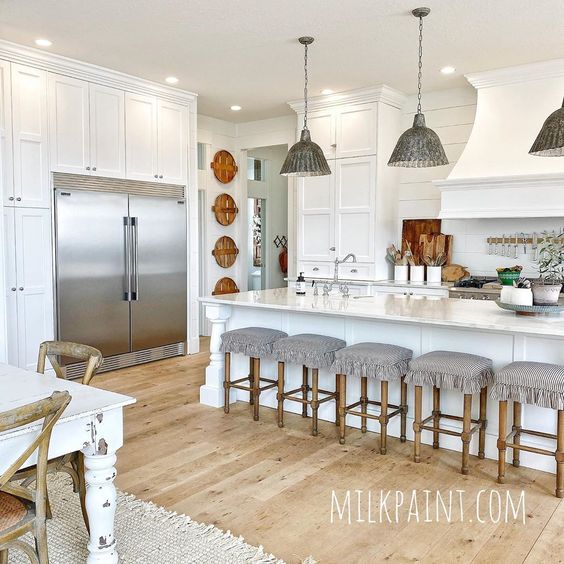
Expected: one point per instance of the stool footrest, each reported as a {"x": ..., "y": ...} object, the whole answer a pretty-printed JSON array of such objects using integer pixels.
[
  {"x": 535, "y": 450},
  {"x": 531, "y": 432}
]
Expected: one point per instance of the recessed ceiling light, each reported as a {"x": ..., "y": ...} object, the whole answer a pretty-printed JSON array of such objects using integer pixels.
[
  {"x": 448, "y": 70},
  {"x": 326, "y": 91},
  {"x": 43, "y": 43},
  {"x": 236, "y": 108},
  {"x": 171, "y": 79}
]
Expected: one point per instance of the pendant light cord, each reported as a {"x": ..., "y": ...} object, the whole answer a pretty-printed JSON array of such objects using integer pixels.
[
  {"x": 420, "y": 73},
  {"x": 305, "y": 86}
]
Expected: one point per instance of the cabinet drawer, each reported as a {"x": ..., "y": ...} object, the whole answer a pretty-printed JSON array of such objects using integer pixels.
[
  {"x": 316, "y": 269},
  {"x": 353, "y": 271}
]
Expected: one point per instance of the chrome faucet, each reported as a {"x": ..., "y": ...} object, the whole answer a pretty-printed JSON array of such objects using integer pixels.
[{"x": 338, "y": 262}]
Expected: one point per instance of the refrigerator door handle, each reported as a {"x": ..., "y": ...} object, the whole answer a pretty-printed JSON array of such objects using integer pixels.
[
  {"x": 127, "y": 247},
  {"x": 135, "y": 261}
]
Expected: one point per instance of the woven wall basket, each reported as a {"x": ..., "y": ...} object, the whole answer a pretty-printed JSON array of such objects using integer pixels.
[
  {"x": 225, "y": 209},
  {"x": 224, "y": 167},
  {"x": 225, "y": 252}
]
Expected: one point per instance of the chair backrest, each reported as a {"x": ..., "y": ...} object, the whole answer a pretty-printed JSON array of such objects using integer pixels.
[
  {"x": 53, "y": 350},
  {"x": 50, "y": 410}
]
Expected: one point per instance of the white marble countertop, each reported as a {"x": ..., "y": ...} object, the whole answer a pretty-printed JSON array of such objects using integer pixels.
[
  {"x": 374, "y": 282},
  {"x": 468, "y": 314}
]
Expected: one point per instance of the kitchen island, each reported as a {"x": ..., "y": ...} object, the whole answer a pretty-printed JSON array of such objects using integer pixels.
[{"x": 422, "y": 323}]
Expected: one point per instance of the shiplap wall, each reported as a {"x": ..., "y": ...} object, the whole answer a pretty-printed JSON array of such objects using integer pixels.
[{"x": 451, "y": 114}]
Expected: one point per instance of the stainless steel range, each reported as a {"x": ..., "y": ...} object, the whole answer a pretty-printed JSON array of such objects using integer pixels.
[{"x": 476, "y": 288}]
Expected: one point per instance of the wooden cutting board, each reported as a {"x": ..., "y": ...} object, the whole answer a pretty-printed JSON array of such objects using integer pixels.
[
  {"x": 454, "y": 273},
  {"x": 412, "y": 229},
  {"x": 435, "y": 244}
]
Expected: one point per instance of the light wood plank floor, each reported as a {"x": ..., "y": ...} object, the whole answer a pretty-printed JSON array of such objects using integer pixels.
[{"x": 273, "y": 486}]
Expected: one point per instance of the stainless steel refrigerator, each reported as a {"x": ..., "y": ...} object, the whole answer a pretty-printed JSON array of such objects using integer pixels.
[{"x": 121, "y": 274}]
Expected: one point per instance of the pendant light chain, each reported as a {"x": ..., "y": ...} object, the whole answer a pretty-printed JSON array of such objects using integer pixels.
[
  {"x": 420, "y": 72},
  {"x": 305, "y": 86}
]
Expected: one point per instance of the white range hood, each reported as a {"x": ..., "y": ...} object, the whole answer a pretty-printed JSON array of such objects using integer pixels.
[{"x": 495, "y": 175}]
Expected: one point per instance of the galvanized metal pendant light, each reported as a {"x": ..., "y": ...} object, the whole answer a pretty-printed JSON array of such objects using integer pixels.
[
  {"x": 419, "y": 146},
  {"x": 550, "y": 140},
  {"x": 305, "y": 158}
]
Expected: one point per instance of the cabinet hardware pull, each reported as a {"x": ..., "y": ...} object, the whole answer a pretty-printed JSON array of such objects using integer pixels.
[
  {"x": 18, "y": 199},
  {"x": 160, "y": 175},
  {"x": 331, "y": 248},
  {"x": 315, "y": 269},
  {"x": 21, "y": 288},
  {"x": 93, "y": 168},
  {"x": 156, "y": 175},
  {"x": 13, "y": 289},
  {"x": 87, "y": 168},
  {"x": 11, "y": 198}
]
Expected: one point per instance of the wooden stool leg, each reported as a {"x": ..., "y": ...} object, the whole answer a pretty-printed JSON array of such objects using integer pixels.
[
  {"x": 383, "y": 416},
  {"x": 466, "y": 424},
  {"x": 417, "y": 423},
  {"x": 363, "y": 401},
  {"x": 517, "y": 411},
  {"x": 305, "y": 389},
  {"x": 436, "y": 414},
  {"x": 314, "y": 399},
  {"x": 256, "y": 388},
  {"x": 342, "y": 406},
  {"x": 501, "y": 442},
  {"x": 483, "y": 422},
  {"x": 337, "y": 392},
  {"x": 403, "y": 405},
  {"x": 227, "y": 381},
  {"x": 560, "y": 455},
  {"x": 251, "y": 380},
  {"x": 280, "y": 394}
]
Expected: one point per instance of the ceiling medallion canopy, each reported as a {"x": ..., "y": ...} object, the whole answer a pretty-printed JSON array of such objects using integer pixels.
[
  {"x": 550, "y": 140},
  {"x": 419, "y": 146},
  {"x": 305, "y": 158}
]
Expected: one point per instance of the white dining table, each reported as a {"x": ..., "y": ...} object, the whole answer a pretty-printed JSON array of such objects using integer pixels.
[{"x": 91, "y": 423}]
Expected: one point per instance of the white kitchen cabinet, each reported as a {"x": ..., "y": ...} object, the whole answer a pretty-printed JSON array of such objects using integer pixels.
[
  {"x": 107, "y": 131},
  {"x": 69, "y": 139},
  {"x": 316, "y": 217},
  {"x": 6, "y": 168},
  {"x": 172, "y": 142},
  {"x": 86, "y": 128},
  {"x": 355, "y": 188},
  {"x": 30, "y": 137},
  {"x": 29, "y": 283},
  {"x": 141, "y": 137},
  {"x": 156, "y": 133},
  {"x": 344, "y": 131}
]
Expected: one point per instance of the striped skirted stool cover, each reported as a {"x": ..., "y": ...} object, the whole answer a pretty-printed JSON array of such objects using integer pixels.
[
  {"x": 313, "y": 351},
  {"x": 535, "y": 383},
  {"x": 468, "y": 373},
  {"x": 377, "y": 361},
  {"x": 373, "y": 360},
  {"x": 255, "y": 342}
]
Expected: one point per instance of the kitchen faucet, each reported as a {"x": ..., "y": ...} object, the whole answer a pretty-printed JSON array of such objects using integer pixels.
[{"x": 338, "y": 262}]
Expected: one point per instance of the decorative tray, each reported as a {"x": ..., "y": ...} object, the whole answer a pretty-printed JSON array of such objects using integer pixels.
[{"x": 532, "y": 310}]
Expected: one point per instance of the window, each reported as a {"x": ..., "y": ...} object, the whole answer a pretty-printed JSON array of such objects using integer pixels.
[
  {"x": 201, "y": 156},
  {"x": 255, "y": 169}
]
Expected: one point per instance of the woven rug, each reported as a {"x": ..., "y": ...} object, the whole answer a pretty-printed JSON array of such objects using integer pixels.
[{"x": 145, "y": 533}]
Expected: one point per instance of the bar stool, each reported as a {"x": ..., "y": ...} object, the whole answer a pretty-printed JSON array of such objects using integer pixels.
[
  {"x": 254, "y": 342},
  {"x": 467, "y": 373},
  {"x": 381, "y": 362},
  {"x": 533, "y": 383},
  {"x": 311, "y": 351}
]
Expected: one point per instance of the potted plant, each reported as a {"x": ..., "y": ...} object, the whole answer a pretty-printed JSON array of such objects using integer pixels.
[{"x": 551, "y": 270}]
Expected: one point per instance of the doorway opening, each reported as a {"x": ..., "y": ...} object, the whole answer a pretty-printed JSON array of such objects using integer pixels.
[{"x": 267, "y": 218}]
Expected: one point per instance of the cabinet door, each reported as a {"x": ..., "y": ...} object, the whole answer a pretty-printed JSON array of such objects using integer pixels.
[
  {"x": 6, "y": 164},
  {"x": 34, "y": 283},
  {"x": 172, "y": 142},
  {"x": 316, "y": 227},
  {"x": 11, "y": 286},
  {"x": 69, "y": 139},
  {"x": 355, "y": 189},
  {"x": 141, "y": 137},
  {"x": 321, "y": 125},
  {"x": 356, "y": 130},
  {"x": 107, "y": 131},
  {"x": 30, "y": 139}
]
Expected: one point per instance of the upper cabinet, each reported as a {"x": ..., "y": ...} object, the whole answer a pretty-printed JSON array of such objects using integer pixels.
[
  {"x": 346, "y": 131},
  {"x": 87, "y": 127},
  {"x": 157, "y": 139},
  {"x": 29, "y": 138},
  {"x": 6, "y": 171}
]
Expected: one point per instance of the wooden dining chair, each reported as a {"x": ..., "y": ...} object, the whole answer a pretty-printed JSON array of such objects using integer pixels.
[
  {"x": 22, "y": 509},
  {"x": 72, "y": 463}
]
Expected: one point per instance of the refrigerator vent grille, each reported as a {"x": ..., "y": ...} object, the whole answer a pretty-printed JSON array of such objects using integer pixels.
[
  {"x": 121, "y": 185},
  {"x": 128, "y": 359}
]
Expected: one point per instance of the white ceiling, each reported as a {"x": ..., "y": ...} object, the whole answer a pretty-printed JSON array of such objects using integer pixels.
[{"x": 245, "y": 51}]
